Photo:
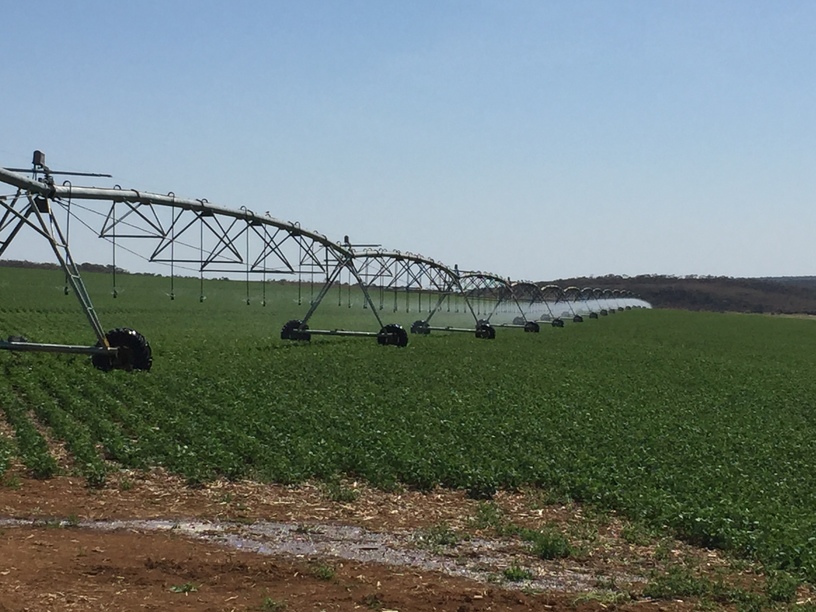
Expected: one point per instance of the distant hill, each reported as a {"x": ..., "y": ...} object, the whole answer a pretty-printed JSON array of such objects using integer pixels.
[
  {"x": 36, "y": 265},
  {"x": 799, "y": 281},
  {"x": 781, "y": 295},
  {"x": 784, "y": 295}
]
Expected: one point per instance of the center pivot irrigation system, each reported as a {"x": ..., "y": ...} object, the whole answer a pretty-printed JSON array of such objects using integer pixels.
[{"x": 195, "y": 234}]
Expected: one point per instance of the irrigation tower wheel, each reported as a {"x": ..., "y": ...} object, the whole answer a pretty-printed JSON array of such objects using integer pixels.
[
  {"x": 295, "y": 330},
  {"x": 393, "y": 335},
  {"x": 485, "y": 330},
  {"x": 421, "y": 327},
  {"x": 134, "y": 351}
]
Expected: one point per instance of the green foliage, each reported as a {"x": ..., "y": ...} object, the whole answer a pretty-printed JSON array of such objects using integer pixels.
[
  {"x": 547, "y": 543},
  {"x": 639, "y": 534},
  {"x": 323, "y": 571},
  {"x": 6, "y": 452},
  {"x": 606, "y": 598},
  {"x": 12, "y": 482},
  {"x": 781, "y": 587},
  {"x": 676, "y": 582},
  {"x": 680, "y": 582},
  {"x": 50, "y": 409},
  {"x": 438, "y": 535},
  {"x": 488, "y": 516},
  {"x": 515, "y": 573},
  {"x": 699, "y": 422},
  {"x": 272, "y": 605},
  {"x": 373, "y": 601},
  {"x": 31, "y": 445},
  {"x": 336, "y": 491}
]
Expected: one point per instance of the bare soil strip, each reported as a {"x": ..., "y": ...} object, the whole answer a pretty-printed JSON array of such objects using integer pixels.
[{"x": 146, "y": 541}]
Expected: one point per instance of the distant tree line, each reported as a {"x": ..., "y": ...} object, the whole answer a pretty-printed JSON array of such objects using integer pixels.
[
  {"x": 794, "y": 295},
  {"x": 83, "y": 267},
  {"x": 782, "y": 295}
]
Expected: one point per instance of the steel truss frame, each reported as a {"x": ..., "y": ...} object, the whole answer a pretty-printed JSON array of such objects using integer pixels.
[
  {"x": 608, "y": 296},
  {"x": 479, "y": 289},
  {"x": 598, "y": 293},
  {"x": 219, "y": 240},
  {"x": 285, "y": 248},
  {"x": 32, "y": 206},
  {"x": 34, "y": 211},
  {"x": 584, "y": 295},
  {"x": 383, "y": 271},
  {"x": 378, "y": 270},
  {"x": 571, "y": 296},
  {"x": 528, "y": 296},
  {"x": 216, "y": 239},
  {"x": 548, "y": 296}
]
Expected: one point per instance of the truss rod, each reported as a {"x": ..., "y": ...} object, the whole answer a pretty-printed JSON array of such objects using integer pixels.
[{"x": 133, "y": 196}]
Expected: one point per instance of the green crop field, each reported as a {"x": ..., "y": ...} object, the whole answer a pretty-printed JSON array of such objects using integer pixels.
[{"x": 700, "y": 422}]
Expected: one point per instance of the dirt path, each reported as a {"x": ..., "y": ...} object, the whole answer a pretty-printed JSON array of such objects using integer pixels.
[
  {"x": 148, "y": 542},
  {"x": 77, "y": 569}
]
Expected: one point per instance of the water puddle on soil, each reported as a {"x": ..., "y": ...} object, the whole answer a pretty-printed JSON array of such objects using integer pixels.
[{"x": 478, "y": 559}]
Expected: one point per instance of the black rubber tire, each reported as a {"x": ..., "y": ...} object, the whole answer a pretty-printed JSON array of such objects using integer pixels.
[
  {"x": 519, "y": 321},
  {"x": 577, "y": 319},
  {"x": 393, "y": 335},
  {"x": 295, "y": 330},
  {"x": 531, "y": 327},
  {"x": 134, "y": 351},
  {"x": 420, "y": 327},
  {"x": 593, "y": 315},
  {"x": 485, "y": 330},
  {"x": 557, "y": 323},
  {"x": 604, "y": 313}
]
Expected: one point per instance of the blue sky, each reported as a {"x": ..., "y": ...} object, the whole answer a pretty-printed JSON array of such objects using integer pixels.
[{"x": 532, "y": 139}]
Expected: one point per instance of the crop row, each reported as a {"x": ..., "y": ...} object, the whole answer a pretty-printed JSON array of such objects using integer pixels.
[{"x": 699, "y": 422}]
